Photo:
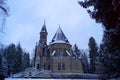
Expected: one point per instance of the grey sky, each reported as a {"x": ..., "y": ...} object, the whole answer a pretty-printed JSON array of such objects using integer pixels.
[{"x": 27, "y": 17}]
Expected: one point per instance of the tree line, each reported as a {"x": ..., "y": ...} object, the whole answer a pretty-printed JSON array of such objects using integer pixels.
[
  {"x": 89, "y": 58},
  {"x": 13, "y": 59}
]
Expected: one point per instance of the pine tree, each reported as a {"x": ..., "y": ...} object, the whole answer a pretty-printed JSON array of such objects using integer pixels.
[
  {"x": 102, "y": 11},
  {"x": 3, "y": 65},
  {"x": 93, "y": 51},
  {"x": 9, "y": 54},
  {"x": 25, "y": 61},
  {"x": 110, "y": 60},
  {"x": 18, "y": 57},
  {"x": 76, "y": 50},
  {"x": 85, "y": 62}
]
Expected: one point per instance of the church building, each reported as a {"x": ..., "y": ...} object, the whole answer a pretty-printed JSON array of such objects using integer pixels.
[{"x": 57, "y": 56}]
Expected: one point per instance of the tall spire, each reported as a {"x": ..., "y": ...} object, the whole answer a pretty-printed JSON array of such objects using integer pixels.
[
  {"x": 44, "y": 28},
  {"x": 59, "y": 36},
  {"x": 43, "y": 34}
]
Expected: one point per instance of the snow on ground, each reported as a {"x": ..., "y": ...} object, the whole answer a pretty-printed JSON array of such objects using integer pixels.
[
  {"x": 51, "y": 79},
  {"x": 42, "y": 79}
]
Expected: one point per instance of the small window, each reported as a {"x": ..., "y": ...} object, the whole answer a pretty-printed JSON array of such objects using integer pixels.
[
  {"x": 44, "y": 66},
  {"x": 43, "y": 51},
  {"x": 37, "y": 66},
  {"x": 59, "y": 66},
  {"x": 63, "y": 66},
  {"x": 49, "y": 67}
]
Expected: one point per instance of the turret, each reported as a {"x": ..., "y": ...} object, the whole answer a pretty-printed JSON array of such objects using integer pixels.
[{"x": 43, "y": 35}]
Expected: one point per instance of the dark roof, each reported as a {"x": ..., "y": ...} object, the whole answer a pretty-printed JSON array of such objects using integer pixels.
[
  {"x": 59, "y": 36},
  {"x": 44, "y": 28}
]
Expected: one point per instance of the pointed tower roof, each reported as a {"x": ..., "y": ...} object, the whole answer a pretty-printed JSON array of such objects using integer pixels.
[
  {"x": 44, "y": 28},
  {"x": 59, "y": 36}
]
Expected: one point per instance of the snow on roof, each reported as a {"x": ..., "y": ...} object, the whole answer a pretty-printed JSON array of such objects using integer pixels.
[
  {"x": 60, "y": 37},
  {"x": 53, "y": 52},
  {"x": 67, "y": 52}
]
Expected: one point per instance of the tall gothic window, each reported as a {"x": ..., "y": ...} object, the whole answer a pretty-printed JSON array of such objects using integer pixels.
[{"x": 60, "y": 52}]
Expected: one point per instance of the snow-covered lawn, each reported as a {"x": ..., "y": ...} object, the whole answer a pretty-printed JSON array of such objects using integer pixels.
[
  {"x": 41, "y": 79},
  {"x": 22, "y": 79}
]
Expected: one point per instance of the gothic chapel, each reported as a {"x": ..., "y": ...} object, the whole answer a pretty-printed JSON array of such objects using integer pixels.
[{"x": 57, "y": 56}]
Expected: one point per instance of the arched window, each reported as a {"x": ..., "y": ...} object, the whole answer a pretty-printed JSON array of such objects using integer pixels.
[{"x": 59, "y": 66}]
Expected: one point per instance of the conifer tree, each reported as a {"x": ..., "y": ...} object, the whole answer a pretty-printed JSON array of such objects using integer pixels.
[
  {"x": 9, "y": 54},
  {"x": 93, "y": 51},
  {"x": 25, "y": 61},
  {"x": 76, "y": 50},
  {"x": 3, "y": 65},
  {"x": 85, "y": 62},
  {"x": 19, "y": 53}
]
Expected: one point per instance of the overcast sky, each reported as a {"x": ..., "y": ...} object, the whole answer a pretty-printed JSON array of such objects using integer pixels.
[{"x": 27, "y": 17}]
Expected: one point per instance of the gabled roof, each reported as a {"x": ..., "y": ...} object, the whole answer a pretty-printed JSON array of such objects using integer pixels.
[
  {"x": 44, "y": 28},
  {"x": 60, "y": 37}
]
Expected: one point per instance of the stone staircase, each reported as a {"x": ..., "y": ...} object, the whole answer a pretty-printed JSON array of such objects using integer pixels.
[{"x": 32, "y": 73}]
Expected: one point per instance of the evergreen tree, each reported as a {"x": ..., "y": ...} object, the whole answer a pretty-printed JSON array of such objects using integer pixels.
[
  {"x": 93, "y": 51},
  {"x": 102, "y": 11},
  {"x": 9, "y": 53},
  {"x": 85, "y": 63},
  {"x": 76, "y": 50},
  {"x": 107, "y": 12},
  {"x": 3, "y": 65},
  {"x": 110, "y": 60},
  {"x": 18, "y": 57},
  {"x": 25, "y": 61}
]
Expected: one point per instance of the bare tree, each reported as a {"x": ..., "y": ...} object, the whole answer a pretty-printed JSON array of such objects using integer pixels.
[{"x": 3, "y": 13}]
